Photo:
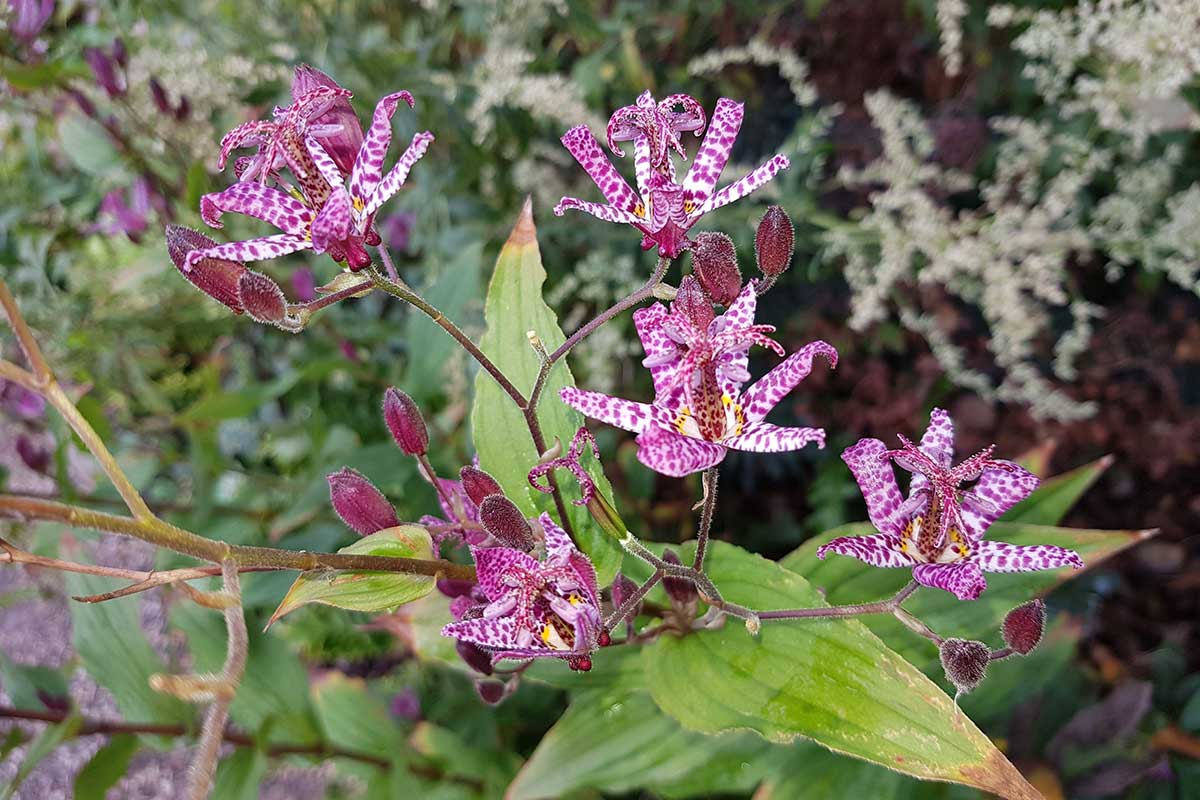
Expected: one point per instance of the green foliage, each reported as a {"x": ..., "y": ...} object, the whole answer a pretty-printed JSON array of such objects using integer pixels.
[{"x": 106, "y": 767}]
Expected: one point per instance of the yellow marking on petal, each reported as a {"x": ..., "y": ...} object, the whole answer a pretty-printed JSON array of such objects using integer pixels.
[
  {"x": 547, "y": 630},
  {"x": 359, "y": 204},
  {"x": 294, "y": 192},
  {"x": 688, "y": 206},
  {"x": 681, "y": 420},
  {"x": 640, "y": 209},
  {"x": 574, "y": 599}
]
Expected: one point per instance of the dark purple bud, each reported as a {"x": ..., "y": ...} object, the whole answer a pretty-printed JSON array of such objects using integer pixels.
[
  {"x": 491, "y": 692},
  {"x": 105, "y": 71},
  {"x": 681, "y": 591},
  {"x": 261, "y": 297},
  {"x": 346, "y": 140},
  {"x": 774, "y": 242},
  {"x": 622, "y": 589},
  {"x": 714, "y": 263},
  {"x": 81, "y": 100},
  {"x": 478, "y": 484},
  {"x": 159, "y": 95},
  {"x": 120, "y": 54},
  {"x": 694, "y": 303},
  {"x": 501, "y": 518},
  {"x": 455, "y": 588},
  {"x": 474, "y": 657},
  {"x": 965, "y": 662},
  {"x": 29, "y": 17},
  {"x": 24, "y": 403},
  {"x": 1024, "y": 625},
  {"x": 359, "y": 503},
  {"x": 407, "y": 705},
  {"x": 304, "y": 285},
  {"x": 404, "y": 420},
  {"x": 216, "y": 277},
  {"x": 36, "y": 457},
  {"x": 183, "y": 109}
]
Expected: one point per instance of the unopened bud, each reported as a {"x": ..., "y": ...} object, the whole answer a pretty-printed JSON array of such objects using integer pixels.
[
  {"x": 216, "y": 277},
  {"x": 605, "y": 515},
  {"x": 404, "y": 420},
  {"x": 622, "y": 589},
  {"x": 1024, "y": 625},
  {"x": 104, "y": 69},
  {"x": 774, "y": 242},
  {"x": 478, "y": 484},
  {"x": 714, "y": 262},
  {"x": 452, "y": 587},
  {"x": 359, "y": 503},
  {"x": 694, "y": 303},
  {"x": 965, "y": 662},
  {"x": 120, "y": 54},
  {"x": 501, "y": 518},
  {"x": 159, "y": 95},
  {"x": 262, "y": 298},
  {"x": 682, "y": 591},
  {"x": 491, "y": 692}
]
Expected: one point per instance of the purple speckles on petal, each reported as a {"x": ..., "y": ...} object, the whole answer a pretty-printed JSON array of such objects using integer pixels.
[
  {"x": 963, "y": 579},
  {"x": 1004, "y": 557},
  {"x": 765, "y": 394},
  {"x": 261, "y": 202},
  {"x": 876, "y": 549}
]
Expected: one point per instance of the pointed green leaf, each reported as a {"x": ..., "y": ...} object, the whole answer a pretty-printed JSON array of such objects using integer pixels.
[
  {"x": 105, "y": 768},
  {"x": 354, "y": 718},
  {"x": 367, "y": 591},
  {"x": 515, "y": 308},
  {"x": 42, "y": 745},
  {"x": 1051, "y": 501},
  {"x": 239, "y": 774},
  {"x": 831, "y": 681}
]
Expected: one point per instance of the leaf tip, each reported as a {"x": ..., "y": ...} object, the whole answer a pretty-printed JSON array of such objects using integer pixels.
[{"x": 524, "y": 232}]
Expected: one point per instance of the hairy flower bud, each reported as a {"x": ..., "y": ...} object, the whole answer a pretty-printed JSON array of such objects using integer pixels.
[
  {"x": 965, "y": 662},
  {"x": 695, "y": 304},
  {"x": 714, "y": 262},
  {"x": 622, "y": 589},
  {"x": 501, "y": 518},
  {"x": 359, "y": 503},
  {"x": 404, "y": 420},
  {"x": 216, "y": 277},
  {"x": 261, "y": 297},
  {"x": 1024, "y": 625},
  {"x": 682, "y": 592},
  {"x": 29, "y": 17},
  {"x": 478, "y": 484},
  {"x": 774, "y": 242}
]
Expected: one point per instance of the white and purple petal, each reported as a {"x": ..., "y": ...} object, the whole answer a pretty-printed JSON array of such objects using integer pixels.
[
  {"x": 267, "y": 247},
  {"x": 963, "y": 579},
  {"x": 332, "y": 225},
  {"x": 714, "y": 152},
  {"x": 261, "y": 202},
  {"x": 937, "y": 443},
  {"x": 766, "y": 393},
  {"x": 491, "y": 564},
  {"x": 740, "y": 188},
  {"x": 323, "y": 161},
  {"x": 627, "y": 414},
  {"x": 616, "y": 190},
  {"x": 496, "y": 633},
  {"x": 1005, "y": 557},
  {"x": 399, "y": 173},
  {"x": 877, "y": 482},
  {"x": 368, "y": 165},
  {"x": 763, "y": 437},
  {"x": 597, "y": 210},
  {"x": 670, "y": 453},
  {"x": 876, "y": 549},
  {"x": 662, "y": 353},
  {"x": 999, "y": 488}
]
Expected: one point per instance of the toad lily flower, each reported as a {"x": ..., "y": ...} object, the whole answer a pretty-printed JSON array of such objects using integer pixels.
[
  {"x": 662, "y": 209},
  {"x": 939, "y": 529},
  {"x": 699, "y": 410},
  {"x": 536, "y": 609},
  {"x": 341, "y": 224}
]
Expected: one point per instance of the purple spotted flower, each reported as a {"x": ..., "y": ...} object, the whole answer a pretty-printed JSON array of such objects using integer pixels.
[
  {"x": 698, "y": 364},
  {"x": 663, "y": 209},
  {"x": 325, "y": 215},
  {"x": 938, "y": 531},
  {"x": 547, "y": 608}
]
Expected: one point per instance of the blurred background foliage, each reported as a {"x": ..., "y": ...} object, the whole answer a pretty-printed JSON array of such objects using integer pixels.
[{"x": 1019, "y": 250}]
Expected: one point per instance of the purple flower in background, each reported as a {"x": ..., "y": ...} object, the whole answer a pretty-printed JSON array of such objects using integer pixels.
[
  {"x": 397, "y": 230},
  {"x": 20, "y": 402},
  {"x": 938, "y": 531},
  {"x": 128, "y": 211},
  {"x": 104, "y": 68},
  {"x": 304, "y": 285},
  {"x": 329, "y": 216},
  {"x": 662, "y": 209},
  {"x": 535, "y": 609},
  {"x": 699, "y": 367},
  {"x": 29, "y": 17}
]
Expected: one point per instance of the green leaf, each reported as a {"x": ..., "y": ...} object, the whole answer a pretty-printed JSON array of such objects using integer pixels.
[
  {"x": 431, "y": 352},
  {"x": 42, "y": 746},
  {"x": 832, "y": 681},
  {"x": 514, "y": 308},
  {"x": 367, "y": 591},
  {"x": 848, "y": 580},
  {"x": 239, "y": 775},
  {"x": 88, "y": 146},
  {"x": 1051, "y": 501},
  {"x": 27, "y": 686},
  {"x": 108, "y": 637},
  {"x": 353, "y": 718},
  {"x": 105, "y": 768},
  {"x": 617, "y": 740},
  {"x": 817, "y": 774},
  {"x": 453, "y": 756}
]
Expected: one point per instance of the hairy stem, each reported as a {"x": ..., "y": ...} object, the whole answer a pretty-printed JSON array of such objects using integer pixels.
[
  {"x": 630, "y": 603},
  {"x": 709, "y": 482},
  {"x": 887, "y": 606}
]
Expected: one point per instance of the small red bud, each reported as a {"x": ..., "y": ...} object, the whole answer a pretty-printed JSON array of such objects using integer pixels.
[
  {"x": 491, "y": 692},
  {"x": 359, "y": 503},
  {"x": 681, "y": 591},
  {"x": 714, "y": 263},
  {"x": 262, "y": 298},
  {"x": 216, "y": 277},
  {"x": 774, "y": 242},
  {"x": 604, "y": 639},
  {"x": 404, "y": 420},
  {"x": 1024, "y": 625},
  {"x": 965, "y": 662},
  {"x": 694, "y": 303},
  {"x": 474, "y": 656},
  {"x": 580, "y": 663},
  {"x": 478, "y": 484},
  {"x": 501, "y": 518}
]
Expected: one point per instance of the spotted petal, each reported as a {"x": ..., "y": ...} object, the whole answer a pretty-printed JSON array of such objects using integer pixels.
[
  {"x": 999, "y": 488},
  {"x": 253, "y": 249},
  {"x": 332, "y": 225},
  {"x": 597, "y": 210},
  {"x": 766, "y": 393},
  {"x": 963, "y": 579},
  {"x": 877, "y": 481},
  {"x": 714, "y": 151},
  {"x": 560, "y": 548},
  {"x": 938, "y": 444},
  {"x": 583, "y": 145},
  {"x": 627, "y": 414},
  {"x": 763, "y": 437},
  {"x": 744, "y": 186},
  {"x": 492, "y": 562},
  {"x": 740, "y": 314},
  {"x": 876, "y": 549},
  {"x": 1005, "y": 557},
  {"x": 368, "y": 165},
  {"x": 670, "y": 453},
  {"x": 496, "y": 633},
  {"x": 399, "y": 173},
  {"x": 261, "y": 202},
  {"x": 662, "y": 354},
  {"x": 323, "y": 161}
]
